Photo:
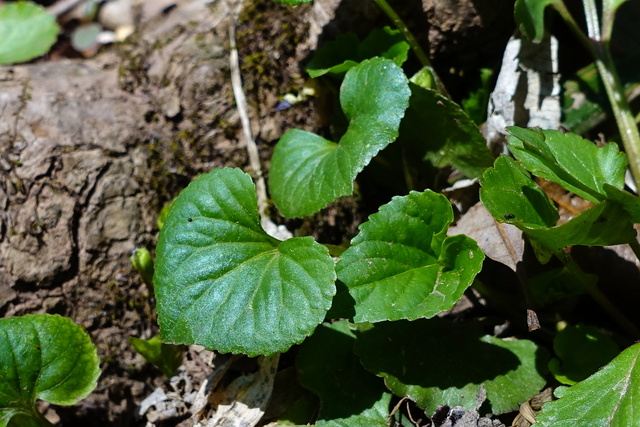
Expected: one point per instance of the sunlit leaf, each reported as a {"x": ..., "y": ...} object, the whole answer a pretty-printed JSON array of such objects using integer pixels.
[
  {"x": 578, "y": 165},
  {"x": 221, "y": 281},
  {"x": 308, "y": 172},
  {"x": 607, "y": 398},
  {"x": 26, "y": 32},
  {"x": 402, "y": 265},
  {"x": 46, "y": 357}
]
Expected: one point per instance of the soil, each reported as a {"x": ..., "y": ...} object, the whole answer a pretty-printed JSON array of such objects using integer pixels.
[{"x": 92, "y": 149}]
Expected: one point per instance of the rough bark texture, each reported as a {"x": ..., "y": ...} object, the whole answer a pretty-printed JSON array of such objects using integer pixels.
[{"x": 90, "y": 150}]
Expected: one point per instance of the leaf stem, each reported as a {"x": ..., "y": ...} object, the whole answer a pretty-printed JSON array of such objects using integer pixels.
[
  {"x": 595, "y": 293},
  {"x": 415, "y": 46},
  {"x": 597, "y": 43},
  {"x": 573, "y": 26}
]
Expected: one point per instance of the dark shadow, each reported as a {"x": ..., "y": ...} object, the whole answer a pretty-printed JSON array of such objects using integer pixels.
[
  {"x": 433, "y": 353},
  {"x": 327, "y": 366},
  {"x": 343, "y": 305}
]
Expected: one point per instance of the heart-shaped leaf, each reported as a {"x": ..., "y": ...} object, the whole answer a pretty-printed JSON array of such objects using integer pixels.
[
  {"x": 576, "y": 164},
  {"x": 425, "y": 361},
  {"x": 222, "y": 282},
  {"x": 26, "y": 32},
  {"x": 529, "y": 15},
  {"x": 402, "y": 265},
  {"x": 308, "y": 172},
  {"x": 607, "y": 398},
  {"x": 46, "y": 357},
  {"x": 352, "y": 396}
]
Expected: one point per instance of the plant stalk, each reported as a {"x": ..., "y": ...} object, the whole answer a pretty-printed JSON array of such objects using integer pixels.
[
  {"x": 574, "y": 27},
  {"x": 415, "y": 46},
  {"x": 600, "y": 298},
  {"x": 621, "y": 110},
  {"x": 598, "y": 44}
]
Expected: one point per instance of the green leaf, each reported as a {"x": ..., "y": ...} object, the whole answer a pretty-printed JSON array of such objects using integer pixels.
[
  {"x": 26, "y": 32},
  {"x": 166, "y": 357},
  {"x": 308, "y": 172},
  {"x": 511, "y": 196},
  {"x": 581, "y": 350},
  {"x": 607, "y": 398},
  {"x": 426, "y": 361},
  {"x": 509, "y": 193},
  {"x": 629, "y": 202},
  {"x": 222, "y": 282},
  {"x": 602, "y": 225},
  {"x": 529, "y": 15},
  {"x": 444, "y": 133},
  {"x": 346, "y": 51},
  {"x": 349, "y": 395},
  {"x": 576, "y": 164},
  {"x": 402, "y": 265},
  {"x": 46, "y": 357}
]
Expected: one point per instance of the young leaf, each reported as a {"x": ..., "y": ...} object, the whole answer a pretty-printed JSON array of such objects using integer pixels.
[
  {"x": 529, "y": 15},
  {"x": 308, "y": 172},
  {"x": 46, "y": 357},
  {"x": 346, "y": 51},
  {"x": 402, "y": 265},
  {"x": 26, "y": 32},
  {"x": 166, "y": 357},
  {"x": 425, "y": 361},
  {"x": 444, "y": 133},
  {"x": 350, "y": 395},
  {"x": 578, "y": 165},
  {"x": 222, "y": 282},
  {"x": 572, "y": 344},
  {"x": 607, "y": 398}
]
